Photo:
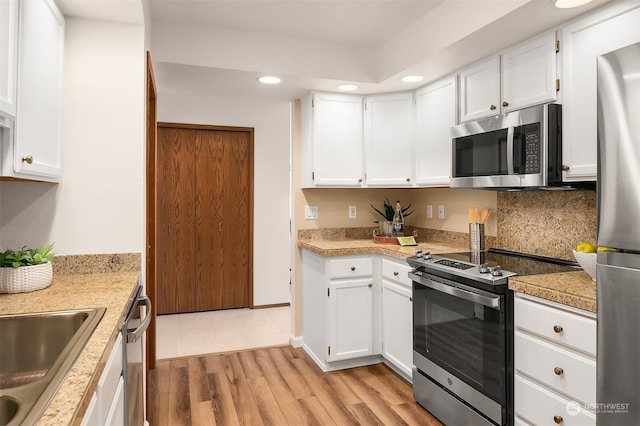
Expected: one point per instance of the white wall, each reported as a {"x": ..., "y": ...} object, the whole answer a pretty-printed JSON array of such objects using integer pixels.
[
  {"x": 271, "y": 121},
  {"x": 98, "y": 206}
]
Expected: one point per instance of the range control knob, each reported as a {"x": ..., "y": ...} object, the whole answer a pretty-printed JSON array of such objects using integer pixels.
[
  {"x": 427, "y": 255},
  {"x": 496, "y": 272},
  {"x": 418, "y": 253},
  {"x": 483, "y": 268}
]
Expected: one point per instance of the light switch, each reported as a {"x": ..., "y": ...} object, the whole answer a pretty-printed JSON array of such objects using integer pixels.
[
  {"x": 310, "y": 212},
  {"x": 429, "y": 212}
]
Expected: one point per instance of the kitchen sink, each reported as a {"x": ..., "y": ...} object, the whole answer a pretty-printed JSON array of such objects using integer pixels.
[{"x": 36, "y": 352}]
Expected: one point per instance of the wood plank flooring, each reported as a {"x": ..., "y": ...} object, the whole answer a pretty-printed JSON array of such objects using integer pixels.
[{"x": 277, "y": 386}]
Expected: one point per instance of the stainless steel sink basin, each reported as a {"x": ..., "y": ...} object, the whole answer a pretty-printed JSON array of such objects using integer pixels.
[{"x": 36, "y": 352}]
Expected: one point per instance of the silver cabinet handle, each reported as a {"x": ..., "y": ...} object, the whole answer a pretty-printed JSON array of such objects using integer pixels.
[{"x": 27, "y": 159}]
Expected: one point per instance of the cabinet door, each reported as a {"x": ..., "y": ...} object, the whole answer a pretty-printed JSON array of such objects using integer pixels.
[
  {"x": 38, "y": 118},
  {"x": 435, "y": 115},
  {"x": 529, "y": 74},
  {"x": 337, "y": 140},
  {"x": 582, "y": 42},
  {"x": 480, "y": 90},
  {"x": 350, "y": 319},
  {"x": 388, "y": 128},
  {"x": 8, "y": 56},
  {"x": 397, "y": 326}
]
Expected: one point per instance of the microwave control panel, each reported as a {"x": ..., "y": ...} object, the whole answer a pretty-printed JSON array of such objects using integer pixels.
[{"x": 532, "y": 153}]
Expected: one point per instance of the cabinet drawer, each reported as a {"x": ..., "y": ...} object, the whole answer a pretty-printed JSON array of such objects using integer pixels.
[
  {"x": 396, "y": 271},
  {"x": 573, "y": 330},
  {"x": 539, "y": 406},
  {"x": 352, "y": 267},
  {"x": 567, "y": 372},
  {"x": 108, "y": 383}
]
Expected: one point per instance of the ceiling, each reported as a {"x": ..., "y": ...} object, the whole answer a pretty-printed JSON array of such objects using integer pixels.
[{"x": 220, "y": 47}]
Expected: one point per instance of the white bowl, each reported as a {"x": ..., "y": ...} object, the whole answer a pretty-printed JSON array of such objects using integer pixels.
[{"x": 587, "y": 261}]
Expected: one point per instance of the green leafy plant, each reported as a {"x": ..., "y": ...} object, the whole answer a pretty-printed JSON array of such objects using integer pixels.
[
  {"x": 26, "y": 256},
  {"x": 390, "y": 211}
]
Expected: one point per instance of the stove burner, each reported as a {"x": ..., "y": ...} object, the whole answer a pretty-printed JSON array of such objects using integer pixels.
[{"x": 454, "y": 264}]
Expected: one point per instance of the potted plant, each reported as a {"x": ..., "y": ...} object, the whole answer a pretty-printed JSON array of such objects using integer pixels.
[
  {"x": 386, "y": 226},
  {"x": 26, "y": 269}
]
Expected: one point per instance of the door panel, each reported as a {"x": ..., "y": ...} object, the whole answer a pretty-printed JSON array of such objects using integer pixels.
[
  {"x": 209, "y": 262},
  {"x": 237, "y": 220},
  {"x": 176, "y": 221}
]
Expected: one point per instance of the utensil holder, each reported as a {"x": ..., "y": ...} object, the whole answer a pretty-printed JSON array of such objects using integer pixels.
[{"x": 476, "y": 236}]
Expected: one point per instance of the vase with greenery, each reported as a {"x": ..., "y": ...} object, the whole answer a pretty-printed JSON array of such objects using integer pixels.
[
  {"x": 26, "y": 269},
  {"x": 387, "y": 212}
]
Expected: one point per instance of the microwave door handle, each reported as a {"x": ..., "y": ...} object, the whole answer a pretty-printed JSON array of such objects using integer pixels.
[{"x": 510, "y": 132}]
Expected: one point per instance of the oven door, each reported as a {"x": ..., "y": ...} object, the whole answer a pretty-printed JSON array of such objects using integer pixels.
[{"x": 462, "y": 330}]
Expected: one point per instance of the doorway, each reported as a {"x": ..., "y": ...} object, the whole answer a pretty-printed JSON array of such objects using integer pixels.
[{"x": 204, "y": 223}]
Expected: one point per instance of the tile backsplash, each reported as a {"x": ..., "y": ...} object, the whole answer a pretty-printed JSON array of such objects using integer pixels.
[{"x": 546, "y": 223}]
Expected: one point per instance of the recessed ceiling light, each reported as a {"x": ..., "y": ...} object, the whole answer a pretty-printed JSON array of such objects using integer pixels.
[
  {"x": 347, "y": 87},
  {"x": 269, "y": 79},
  {"x": 567, "y": 4},
  {"x": 412, "y": 78}
]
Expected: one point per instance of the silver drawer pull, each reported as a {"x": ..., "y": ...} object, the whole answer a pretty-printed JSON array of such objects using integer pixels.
[
  {"x": 557, "y": 419},
  {"x": 558, "y": 371},
  {"x": 557, "y": 328},
  {"x": 353, "y": 268},
  {"x": 395, "y": 274}
]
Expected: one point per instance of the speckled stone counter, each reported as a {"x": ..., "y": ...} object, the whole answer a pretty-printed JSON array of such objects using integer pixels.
[
  {"x": 570, "y": 288},
  {"x": 114, "y": 291},
  {"x": 575, "y": 289},
  {"x": 347, "y": 247}
]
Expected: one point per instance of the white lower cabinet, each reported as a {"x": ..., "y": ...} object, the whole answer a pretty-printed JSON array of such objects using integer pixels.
[
  {"x": 397, "y": 322},
  {"x": 107, "y": 404},
  {"x": 554, "y": 363},
  {"x": 357, "y": 310},
  {"x": 340, "y": 302}
]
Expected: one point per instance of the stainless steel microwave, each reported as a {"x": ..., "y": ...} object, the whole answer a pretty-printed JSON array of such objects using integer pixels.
[{"x": 520, "y": 149}]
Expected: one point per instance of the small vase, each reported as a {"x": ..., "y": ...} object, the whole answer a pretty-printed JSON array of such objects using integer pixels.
[{"x": 26, "y": 278}]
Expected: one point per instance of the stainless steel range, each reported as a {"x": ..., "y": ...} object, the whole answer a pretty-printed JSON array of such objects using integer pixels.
[{"x": 463, "y": 332}]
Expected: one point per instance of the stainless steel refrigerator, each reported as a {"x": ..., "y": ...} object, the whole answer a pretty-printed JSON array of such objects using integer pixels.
[{"x": 618, "y": 273}]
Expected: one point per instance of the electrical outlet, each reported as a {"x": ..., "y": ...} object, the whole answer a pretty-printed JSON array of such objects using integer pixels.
[
  {"x": 429, "y": 212},
  {"x": 352, "y": 212},
  {"x": 440, "y": 212},
  {"x": 310, "y": 212}
]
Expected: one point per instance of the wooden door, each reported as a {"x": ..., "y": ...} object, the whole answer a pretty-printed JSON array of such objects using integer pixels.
[{"x": 205, "y": 233}]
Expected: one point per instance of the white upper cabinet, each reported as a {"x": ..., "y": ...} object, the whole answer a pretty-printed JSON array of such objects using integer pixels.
[
  {"x": 436, "y": 111},
  {"x": 480, "y": 90},
  {"x": 583, "y": 41},
  {"x": 332, "y": 140},
  {"x": 34, "y": 151},
  {"x": 529, "y": 74},
  {"x": 522, "y": 76},
  {"x": 8, "y": 56},
  {"x": 388, "y": 131}
]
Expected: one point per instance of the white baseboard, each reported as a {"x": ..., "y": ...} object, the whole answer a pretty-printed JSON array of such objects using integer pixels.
[{"x": 296, "y": 341}]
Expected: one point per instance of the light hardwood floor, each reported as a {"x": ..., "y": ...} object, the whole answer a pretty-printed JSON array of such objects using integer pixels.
[{"x": 277, "y": 386}]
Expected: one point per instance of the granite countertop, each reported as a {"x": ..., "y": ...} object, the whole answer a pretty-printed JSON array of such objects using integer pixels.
[
  {"x": 113, "y": 291},
  {"x": 347, "y": 247},
  {"x": 574, "y": 289}
]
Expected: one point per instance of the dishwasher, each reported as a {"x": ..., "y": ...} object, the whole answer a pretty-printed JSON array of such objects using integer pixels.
[{"x": 135, "y": 325}]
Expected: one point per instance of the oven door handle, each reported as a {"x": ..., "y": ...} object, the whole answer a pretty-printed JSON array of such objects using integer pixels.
[
  {"x": 491, "y": 302},
  {"x": 133, "y": 335}
]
